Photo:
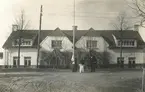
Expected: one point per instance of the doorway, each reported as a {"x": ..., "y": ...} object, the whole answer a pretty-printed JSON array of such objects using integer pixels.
[{"x": 16, "y": 63}]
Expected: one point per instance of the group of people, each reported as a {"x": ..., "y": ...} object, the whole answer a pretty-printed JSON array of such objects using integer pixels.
[{"x": 93, "y": 62}]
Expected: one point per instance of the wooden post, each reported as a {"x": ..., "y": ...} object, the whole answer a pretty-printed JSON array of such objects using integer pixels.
[{"x": 38, "y": 45}]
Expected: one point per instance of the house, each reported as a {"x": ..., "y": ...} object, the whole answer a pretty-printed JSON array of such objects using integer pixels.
[{"x": 58, "y": 41}]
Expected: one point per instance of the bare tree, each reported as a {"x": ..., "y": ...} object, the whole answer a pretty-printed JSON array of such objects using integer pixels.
[
  {"x": 22, "y": 24},
  {"x": 122, "y": 22},
  {"x": 139, "y": 8},
  {"x": 21, "y": 21}
]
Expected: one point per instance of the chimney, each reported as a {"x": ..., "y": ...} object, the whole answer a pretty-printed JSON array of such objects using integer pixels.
[
  {"x": 75, "y": 28},
  {"x": 14, "y": 27},
  {"x": 136, "y": 27}
]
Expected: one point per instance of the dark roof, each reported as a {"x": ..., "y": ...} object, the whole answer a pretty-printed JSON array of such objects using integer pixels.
[
  {"x": 78, "y": 34},
  {"x": 29, "y": 34},
  {"x": 106, "y": 34},
  {"x": 125, "y": 35}
]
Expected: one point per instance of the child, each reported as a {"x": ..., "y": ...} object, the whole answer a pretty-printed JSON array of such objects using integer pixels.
[{"x": 81, "y": 65}]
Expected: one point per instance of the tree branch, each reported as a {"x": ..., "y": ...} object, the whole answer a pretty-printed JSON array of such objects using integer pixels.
[{"x": 21, "y": 21}]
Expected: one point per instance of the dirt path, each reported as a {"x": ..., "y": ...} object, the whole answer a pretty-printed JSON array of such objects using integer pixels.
[{"x": 71, "y": 82}]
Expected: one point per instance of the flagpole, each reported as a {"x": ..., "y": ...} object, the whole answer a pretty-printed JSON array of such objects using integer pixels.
[
  {"x": 39, "y": 33},
  {"x": 73, "y": 54}
]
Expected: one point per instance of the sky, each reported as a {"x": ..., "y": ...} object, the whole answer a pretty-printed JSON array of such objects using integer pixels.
[{"x": 59, "y": 13}]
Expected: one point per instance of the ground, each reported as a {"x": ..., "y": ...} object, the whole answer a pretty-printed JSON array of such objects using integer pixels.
[{"x": 67, "y": 81}]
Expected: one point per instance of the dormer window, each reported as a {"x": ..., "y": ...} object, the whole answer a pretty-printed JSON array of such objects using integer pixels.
[
  {"x": 127, "y": 43},
  {"x": 23, "y": 42}
]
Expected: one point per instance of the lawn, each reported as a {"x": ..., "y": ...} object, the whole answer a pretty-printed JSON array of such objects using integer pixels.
[{"x": 100, "y": 81}]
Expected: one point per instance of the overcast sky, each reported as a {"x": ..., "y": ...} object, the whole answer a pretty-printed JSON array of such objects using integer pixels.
[{"x": 59, "y": 13}]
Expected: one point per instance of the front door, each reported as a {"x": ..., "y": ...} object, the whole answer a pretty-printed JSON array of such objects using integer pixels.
[
  {"x": 15, "y": 62},
  {"x": 27, "y": 61}
]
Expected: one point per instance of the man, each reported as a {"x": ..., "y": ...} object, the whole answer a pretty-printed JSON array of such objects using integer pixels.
[{"x": 93, "y": 63}]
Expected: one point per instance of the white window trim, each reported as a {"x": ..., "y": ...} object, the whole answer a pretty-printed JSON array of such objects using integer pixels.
[
  {"x": 16, "y": 58},
  {"x": 28, "y": 58},
  {"x": 22, "y": 42},
  {"x": 92, "y": 46},
  {"x": 135, "y": 43},
  {"x": 58, "y": 46}
]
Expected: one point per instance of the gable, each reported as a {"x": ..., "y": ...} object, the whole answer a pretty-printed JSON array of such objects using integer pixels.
[{"x": 47, "y": 42}]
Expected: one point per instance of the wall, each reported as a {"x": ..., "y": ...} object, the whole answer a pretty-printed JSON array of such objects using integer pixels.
[
  {"x": 139, "y": 54},
  {"x": 31, "y": 52}
]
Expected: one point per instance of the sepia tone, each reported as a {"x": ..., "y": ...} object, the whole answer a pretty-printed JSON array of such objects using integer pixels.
[{"x": 72, "y": 46}]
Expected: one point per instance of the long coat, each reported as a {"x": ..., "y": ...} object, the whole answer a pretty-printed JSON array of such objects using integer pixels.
[{"x": 93, "y": 62}]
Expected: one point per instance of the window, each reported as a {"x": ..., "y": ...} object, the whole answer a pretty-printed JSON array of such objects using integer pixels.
[
  {"x": 127, "y": 43},
  {"x": 24, "y": 42},
  {"x": 56, "y": 44},
  {"x": 16, "y": 63},
  {"x": 132, "y": 43},
  {"x": 27, "y": 61},
  {"x": 1, "y": 55},
  {"x": 91, "y": 44}
]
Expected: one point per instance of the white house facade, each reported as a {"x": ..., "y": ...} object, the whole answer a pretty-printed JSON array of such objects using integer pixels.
[{"x": 133, "y": 53}]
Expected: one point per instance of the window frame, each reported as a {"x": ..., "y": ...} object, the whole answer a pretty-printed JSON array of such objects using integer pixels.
[
  {"x": 27, "y": 61},
  {"x": 91, "y": 44},
  {"x": 126, "y": 43},
  {"x": 56, "y": 44},
  {"x": 24, "y": 42},
  {"x": 16, "y": 63}
]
